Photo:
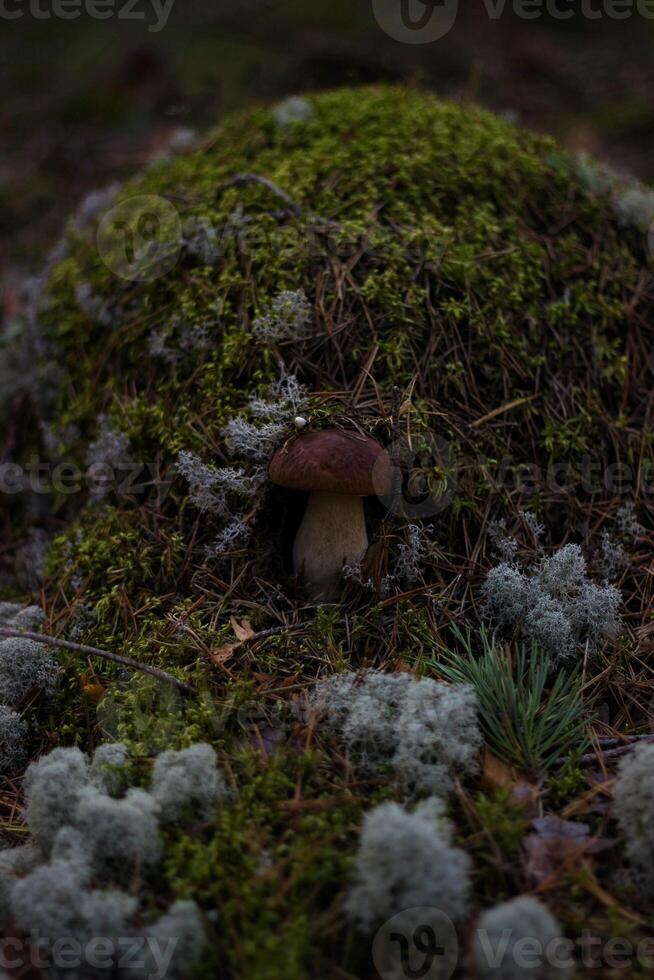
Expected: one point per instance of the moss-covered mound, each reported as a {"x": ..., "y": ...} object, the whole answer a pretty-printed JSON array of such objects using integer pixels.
[
  {"x": 440, "y": 249},
  {"x": 423, "y": 271}
]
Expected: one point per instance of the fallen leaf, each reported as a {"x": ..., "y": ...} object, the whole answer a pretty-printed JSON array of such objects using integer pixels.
[
  {"x": 500, "y": 775},
  {"x": 264, "y": 679},
  {"x": 222, "y": 654},
  {"x": 243, "y": 630},
  {"x": 496, "y": 773}
]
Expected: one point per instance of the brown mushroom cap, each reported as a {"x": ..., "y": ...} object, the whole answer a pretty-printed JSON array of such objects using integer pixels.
[{"x": 333, "y": 461}]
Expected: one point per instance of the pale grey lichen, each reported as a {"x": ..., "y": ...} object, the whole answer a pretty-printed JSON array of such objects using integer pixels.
[
  {"x": 504, "y": 545},
  {"x": 211, "y": 487},
  {"x": 25, "y": 666},
  {"x": 222, "y": 492},
  {"x": 234, "y": 535},
  {"x": 181, "y": 931},
  {"x": 547, "y": 623},
  {"x": 92, "y": 305},
  {"x": 15, "y": 863},
  {"x": 110, "y": 767},
  {"x": 121, "y": 835},
  {"x": 633, "y": 204},
  {"x": 598, "y": 178},
  {"x": 407, "y": 860},
  {"x": 421, "y": 730},
  {"x": 181, "y": 140},
  {"x": 70, "y": 848},
  {"x": 612, "y": 558},
  {"x": 505, "y": 595},
  {"x": 93, "y": 205},
  {"x": 275, "y": 414},
  {"x": 554, "y": 603},
  {"x": 562, "y": 573},
  {"x": 80, "y": 879},
  {"x": 634, "y": 807},
  {"x": 110, "y": 447},
  {"x": 51, "y": 902},
  {"x": 13, "y": 740},
  {"x": 294, "y": 109},
  {"x": 108, "y": 455},
  {"x": 632, "y": 201},
  {"x": 412, "y": 554},
  {"x": 203, "y": 241},
  {"x": 285, "y": 399},
  {"x": 521, "y": 938},
  {"x": 533, "y": 524},
  {"x": 254, "y": 442},
  {"x": 285, "y": 319},
  {"x": 595, "y": 613},
  {"x": 52, "y": 787},
  {"x": 627, "y": 522},
  {"x": 187, "y": 783},
  {"x": 20, "y": 617}
]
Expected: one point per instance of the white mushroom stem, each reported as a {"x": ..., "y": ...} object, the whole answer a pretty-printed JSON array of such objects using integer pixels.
[{"x": 332, "y": 534}]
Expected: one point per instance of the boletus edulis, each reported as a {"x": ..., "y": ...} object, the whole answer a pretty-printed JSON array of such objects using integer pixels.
[{"x": 338, "y": 469}]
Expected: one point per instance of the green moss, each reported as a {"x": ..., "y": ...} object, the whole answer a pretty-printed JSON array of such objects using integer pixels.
[
  {"x": 566, "y": 784},
  {"x": 274, "y": 866},
  {"x": 499, "y": 825}
]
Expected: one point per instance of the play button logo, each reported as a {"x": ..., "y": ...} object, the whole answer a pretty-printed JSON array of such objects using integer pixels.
[{"x": 416, "y": 21}]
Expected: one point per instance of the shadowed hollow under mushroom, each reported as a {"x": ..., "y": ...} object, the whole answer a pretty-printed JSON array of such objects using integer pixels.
[{"x": 338, "y": 469}]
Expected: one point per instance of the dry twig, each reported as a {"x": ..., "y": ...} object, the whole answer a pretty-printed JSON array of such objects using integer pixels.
[{"x": 52, "y": 641}]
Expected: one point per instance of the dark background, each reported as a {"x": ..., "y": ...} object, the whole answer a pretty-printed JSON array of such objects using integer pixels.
[{"x": 86, "y": 101}]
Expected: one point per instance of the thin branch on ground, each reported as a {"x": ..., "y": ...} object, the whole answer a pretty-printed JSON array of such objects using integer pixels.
[
  {"x": 87, "y": 651},
  {"x": 609, "y": 753}
]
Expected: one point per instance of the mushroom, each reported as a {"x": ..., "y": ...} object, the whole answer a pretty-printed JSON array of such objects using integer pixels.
[{"x": 338, "y": 469}]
